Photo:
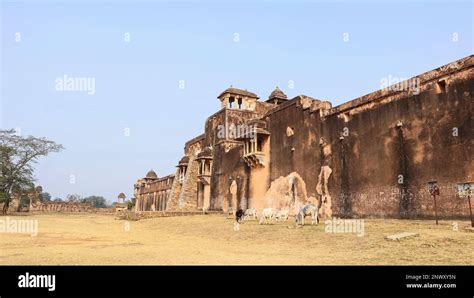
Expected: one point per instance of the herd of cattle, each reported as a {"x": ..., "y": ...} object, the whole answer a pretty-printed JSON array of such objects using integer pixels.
[{"x": 269, "y": 214}]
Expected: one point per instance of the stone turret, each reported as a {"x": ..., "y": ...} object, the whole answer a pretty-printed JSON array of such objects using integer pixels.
[
  {"x": 120, "y": 205},
  {"x": 121, "y": 198},
  {"x": 234, "y": 98},
  {"x": 277, "y": 97},
  {"x": 151, "y": 175}
]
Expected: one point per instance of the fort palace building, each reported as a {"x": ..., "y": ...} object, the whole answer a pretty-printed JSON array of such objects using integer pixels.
[{"x": 371, "y": 156}]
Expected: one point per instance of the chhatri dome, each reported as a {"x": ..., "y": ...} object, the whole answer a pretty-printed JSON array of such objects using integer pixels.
[
  {"x": 121, "y": 198},
  {"x": 277, "y": 96},
  {"x": 151, "y": 175}
]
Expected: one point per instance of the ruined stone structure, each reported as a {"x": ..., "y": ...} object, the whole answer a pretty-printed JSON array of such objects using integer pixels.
[
  {"x": 26, "y": 201},
  {"x": 152, "y": 193},
  {"x": 63, "y": 207},
  {"x": 120, "y": 205},
  {"x": 32, "y": 197},
  {"x": 371, "y": 156}
]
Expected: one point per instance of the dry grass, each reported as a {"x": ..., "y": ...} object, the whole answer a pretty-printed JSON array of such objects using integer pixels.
[{"x": 101, "y": 239}]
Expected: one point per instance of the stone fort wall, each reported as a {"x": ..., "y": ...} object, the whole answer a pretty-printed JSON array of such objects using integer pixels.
[{"x": 371, "y": 156}]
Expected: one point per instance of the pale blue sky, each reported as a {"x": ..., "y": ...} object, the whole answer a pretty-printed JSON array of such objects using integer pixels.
[{"x": 137, "y": 83}]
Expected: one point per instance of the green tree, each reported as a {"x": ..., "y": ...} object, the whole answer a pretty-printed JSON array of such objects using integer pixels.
[
  {"x": 24, "y": 202},
  {"x": 74, "y": 198},
  {"x": 45, "y": 197},
  {"x": 96, "y": 201},
  {"x": 131, "y": 204},
  {"x": 17, "y": 155},
  {"x": 2, "y": 197}
]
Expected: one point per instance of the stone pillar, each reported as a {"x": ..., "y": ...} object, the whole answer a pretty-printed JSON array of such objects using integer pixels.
[
  {"x": 225, "y": 102},
  {"x": 138, "y": 203},
  {"x": 233, "y": 193},
  {"x": 206, "y": 197}
]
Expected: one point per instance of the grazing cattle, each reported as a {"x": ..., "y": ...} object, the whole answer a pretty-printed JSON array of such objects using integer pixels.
[
  {"x": 311, "y": 210},
  {"x": 239, "y": 215},
  {"x": 282, "y": 214},
  {"x": 267, "y": 215},
  {"x": 252, "y": 212}
]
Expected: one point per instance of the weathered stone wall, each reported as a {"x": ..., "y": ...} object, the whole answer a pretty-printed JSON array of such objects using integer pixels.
[
  {"x": 61, "y": 207},
  {"x": 174, "y": 194},
  {"x": 183, "y": 194},
  {"x": 35, "y": 205},
  {"x": 153, "y": 194},
  {"x": 108, "y": 211},
  {"x": 387, "y": 167},
  {"x": 305, "y": 158},
  {"x": 129, "y": 215},
  {"x": 372, "y": 156},
  {"x": 377, "y": 168},
  {"x": 228, "y": 165},
  {"x": 187, "y": 200}
]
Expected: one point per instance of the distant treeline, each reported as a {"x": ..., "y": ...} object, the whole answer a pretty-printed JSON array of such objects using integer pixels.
[{"x": 95, "y": 201}]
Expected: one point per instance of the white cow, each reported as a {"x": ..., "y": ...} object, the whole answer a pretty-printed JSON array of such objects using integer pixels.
[
  {"x": 282, "y": 214},
  {"x": 311, "y": 210},
  {"x": 251, "y": 212},
  {"x": 267, "y": 215}
]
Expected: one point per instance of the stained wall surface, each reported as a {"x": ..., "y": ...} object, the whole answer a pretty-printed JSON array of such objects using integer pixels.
[{"x": 369, "y": 157}]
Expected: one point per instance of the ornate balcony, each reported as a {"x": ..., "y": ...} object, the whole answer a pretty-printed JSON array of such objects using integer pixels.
[
  {"x": 205, "y": 165},
  {"x": 255, "y": 159},
  {"x": 254, "y": 143}
]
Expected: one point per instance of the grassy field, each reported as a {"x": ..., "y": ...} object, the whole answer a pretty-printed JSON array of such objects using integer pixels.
[{"x": 211, "y": 239}]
